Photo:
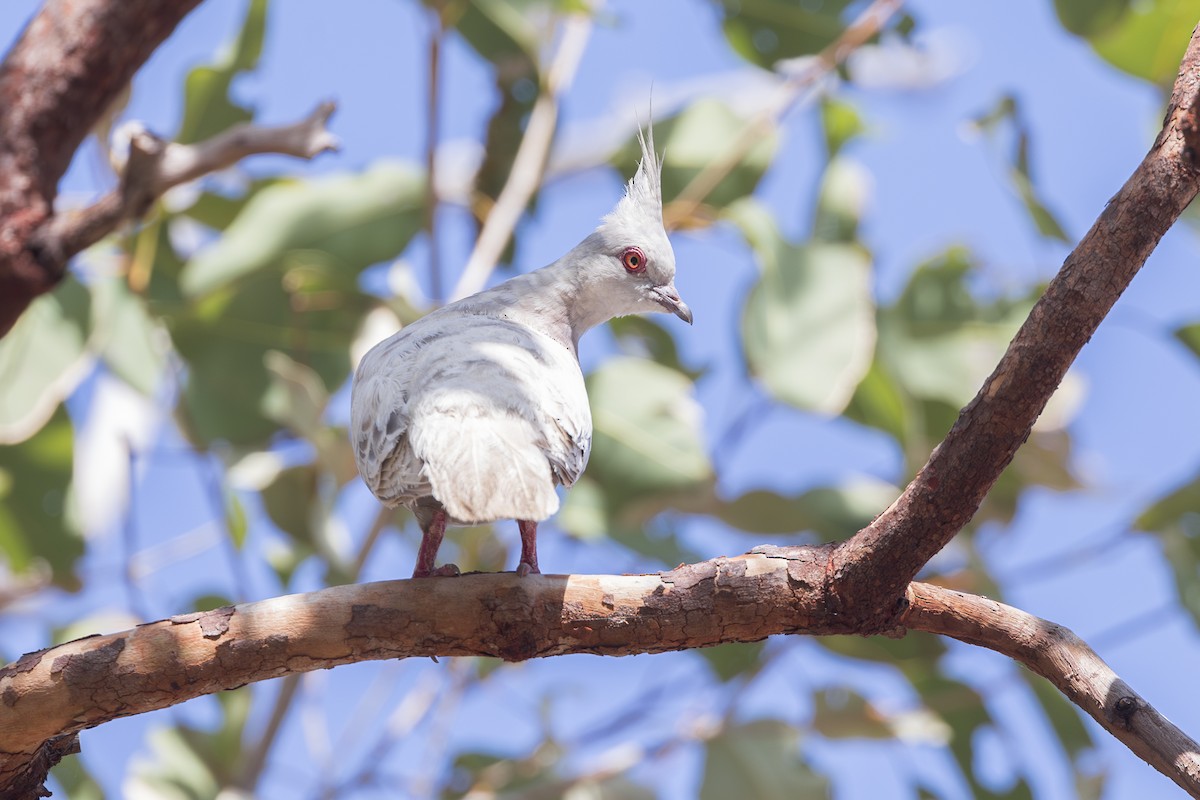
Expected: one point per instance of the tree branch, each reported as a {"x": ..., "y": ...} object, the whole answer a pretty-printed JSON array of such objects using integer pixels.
[
  {"x": 48, "y": 697},
  {"x": 155, "y": 165},
  {"x": 872, "y": 569},
  {"x": 69, "y": 65},
  {"x": 1062, "y": 658}
]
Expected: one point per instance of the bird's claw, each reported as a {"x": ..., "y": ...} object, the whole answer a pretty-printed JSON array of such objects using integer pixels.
[
  {"x": 444, "y": 571},
  {"x": 525, "y": 568}
]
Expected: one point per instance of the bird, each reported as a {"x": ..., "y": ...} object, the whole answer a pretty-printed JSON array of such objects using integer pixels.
[{"x": 477, "y": 411}]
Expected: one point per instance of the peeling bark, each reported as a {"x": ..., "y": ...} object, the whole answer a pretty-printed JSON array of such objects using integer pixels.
[{"x": 48, "y": 697}]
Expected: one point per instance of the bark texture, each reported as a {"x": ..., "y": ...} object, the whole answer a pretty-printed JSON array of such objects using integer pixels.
[
  {"x": 46, "y": 698},
  {"x": 1065, "y": 660},
  {"x": 69, "y": 65}
]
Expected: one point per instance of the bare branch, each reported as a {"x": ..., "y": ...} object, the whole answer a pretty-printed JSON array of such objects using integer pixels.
[
  {"x": 155, "y": 165},
  {"x": 527, "y": 166},
  {"x": 868, "y": 24},
  {"x": 1062, "y": 658},
  {"x": 57, "y": 692},
  {"x": 873, "y": 568},
  {"x": 69, "y": 65}
]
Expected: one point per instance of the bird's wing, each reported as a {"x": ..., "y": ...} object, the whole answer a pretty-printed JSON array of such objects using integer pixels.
[
  {"x": 380, "y": 415},
  {"x": 493, "y": 416}
]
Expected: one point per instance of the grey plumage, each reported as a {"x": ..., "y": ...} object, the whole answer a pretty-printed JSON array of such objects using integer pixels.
[{"x": 477, "y": 411}]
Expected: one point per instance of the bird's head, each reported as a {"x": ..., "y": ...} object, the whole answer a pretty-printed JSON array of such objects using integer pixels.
[{"x": 631, "y": 259}]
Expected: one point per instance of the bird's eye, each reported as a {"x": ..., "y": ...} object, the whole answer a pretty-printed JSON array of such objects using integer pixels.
[{"x": 634, "y": 259}]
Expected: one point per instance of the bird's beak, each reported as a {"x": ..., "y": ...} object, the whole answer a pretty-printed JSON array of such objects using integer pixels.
[{"x": 668, "y": 297}]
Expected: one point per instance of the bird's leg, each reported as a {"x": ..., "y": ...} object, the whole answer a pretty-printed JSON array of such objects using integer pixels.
[
  {"x": 528, "y": 548},
  {"x": 431, "y": 540}
]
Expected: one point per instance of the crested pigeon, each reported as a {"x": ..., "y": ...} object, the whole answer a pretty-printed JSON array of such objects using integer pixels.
[{"x": 477, "y": 411}]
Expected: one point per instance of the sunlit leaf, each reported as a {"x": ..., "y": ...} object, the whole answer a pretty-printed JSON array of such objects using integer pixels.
[
  {"x": 356, "y": 219},
  {"x": 840, "y": 122},
  {"x": 653, "y": 445},
  {"x": 1149, "y": 40},
  {"x": 208, "y": 110},
  {"x": 764, "y": 755},
  {"x": 42, "y": 359},
  {"x": 808, "y": 327}
]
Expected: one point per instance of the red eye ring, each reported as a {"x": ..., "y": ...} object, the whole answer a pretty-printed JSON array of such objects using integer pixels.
[{"x": 633, "y": 259}]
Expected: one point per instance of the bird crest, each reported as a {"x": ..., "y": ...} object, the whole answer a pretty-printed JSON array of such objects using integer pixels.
[{"x": 643, "y": 193}]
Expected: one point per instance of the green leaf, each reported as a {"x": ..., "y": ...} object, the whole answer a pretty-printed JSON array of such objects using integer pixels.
[
  {"x": 76, "y": 781},
  {"x": 879, "y": 402},
  {"x": 356, "y": 219},
  {"x": 1149, "y": 40},
  {"x": 834, "y": 513},
  {"x": 38, "y": 521},
  {"x": 207, "y": 107},
  {"x": 1007, "y": 113},
  {"x": 846, "y": 714},
  {"x": 732, "y": 659},
  {"x": 841, "y": 124},
  {"x": 703, "y": 133},
  {"x": 1064, "y": 717},
  {"x": 130, "y": 341},
  {"x": 1189, "y": 335},
  {"x": 937, "y": 340},
  {"x": 651, "y": 445},
  {"x": 642, "y": 336},
  {"x": 766, "y": 31},
  {"x": 42, "y": 359},
  {"x": 289, "y": 500},
  {"x": 1175, "y": 520},
  {"x": 808, "y": 328},
  {"x": 843, "y": 194},
  {"x": 307, "y": 307},
  {"x": 1090, "y": 17},
  {"x": 296, "y": 397},
  {"x": 761, "y": 760}
]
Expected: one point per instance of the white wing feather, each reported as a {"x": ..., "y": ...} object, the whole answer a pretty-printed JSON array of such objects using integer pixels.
[{"x": 483, "y": 414}]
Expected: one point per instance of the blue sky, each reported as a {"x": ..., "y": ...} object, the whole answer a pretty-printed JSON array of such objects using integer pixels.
[{"x": 933, "y": 185}]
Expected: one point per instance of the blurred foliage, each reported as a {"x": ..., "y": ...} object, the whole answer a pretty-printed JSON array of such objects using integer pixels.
[{"x": 252, "y": 334}]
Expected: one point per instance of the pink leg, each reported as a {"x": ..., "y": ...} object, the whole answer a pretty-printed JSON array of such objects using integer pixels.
[
  {"x": 528, "y": 548},
  {"x": 431, "y": 540}
]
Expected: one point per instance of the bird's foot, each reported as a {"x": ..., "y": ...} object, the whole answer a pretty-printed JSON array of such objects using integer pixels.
[
  {"x": 525, "y": 568},
  {"x": 444, "y": 571}
]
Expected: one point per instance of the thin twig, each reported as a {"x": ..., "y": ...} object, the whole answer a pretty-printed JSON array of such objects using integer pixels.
[
  {"x": 155, "y": 165},
  {"x": 526, "y": 173},
  {"x": 431, "y": 140},
  {"x": 257, "y": 760},
  {"x": 869, "y": 23},
  {"x": 1058, "y": 655}
]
